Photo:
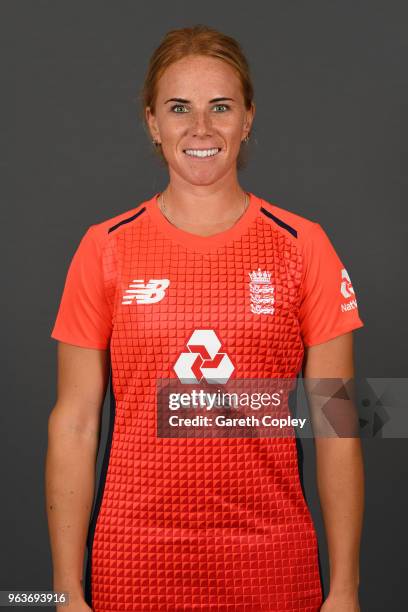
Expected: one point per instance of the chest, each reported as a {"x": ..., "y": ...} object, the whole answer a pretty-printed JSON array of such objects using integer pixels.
[{"x": 247, "y": 299}]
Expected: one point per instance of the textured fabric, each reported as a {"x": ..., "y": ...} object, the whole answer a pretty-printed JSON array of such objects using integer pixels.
[{"x": 192, "y": 523}]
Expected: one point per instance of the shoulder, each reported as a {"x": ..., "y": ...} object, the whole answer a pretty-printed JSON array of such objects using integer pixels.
[
  {"x": 101, "y": 230},
  {"x": 299, "y": 227}
]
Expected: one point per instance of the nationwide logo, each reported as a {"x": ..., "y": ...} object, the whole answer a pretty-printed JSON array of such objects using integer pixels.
[
  {"x": 146, "y": 293},
  {"x": 261, "y": 292},
  {"x": 203, "y": 360},
  {"x": 347, "y": 291}
]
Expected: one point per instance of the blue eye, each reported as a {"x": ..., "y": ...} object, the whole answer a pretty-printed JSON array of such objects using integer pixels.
[
  {"x": 177, "y": 106},
  {"x": 182, "y": 106}
]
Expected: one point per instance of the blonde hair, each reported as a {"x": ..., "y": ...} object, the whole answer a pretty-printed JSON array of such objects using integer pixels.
[{"x": 196, "y": 40}]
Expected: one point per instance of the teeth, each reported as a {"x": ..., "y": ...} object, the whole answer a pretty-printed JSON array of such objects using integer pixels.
[{"x": 202, "y": 152}]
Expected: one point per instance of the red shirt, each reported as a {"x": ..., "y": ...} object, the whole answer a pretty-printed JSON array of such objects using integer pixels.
[{"x": 193, "y": 523}]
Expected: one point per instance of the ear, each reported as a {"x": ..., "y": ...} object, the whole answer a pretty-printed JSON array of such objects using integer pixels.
[
  {"x": 249, "y": 118},
  {"x": 152, "y": 123}
]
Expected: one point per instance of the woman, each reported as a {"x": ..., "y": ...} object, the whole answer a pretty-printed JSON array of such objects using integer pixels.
[{"x": 201, "y": 278}]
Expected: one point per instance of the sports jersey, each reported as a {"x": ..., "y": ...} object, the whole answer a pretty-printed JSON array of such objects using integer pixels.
[{"x": 194, "y": 523}]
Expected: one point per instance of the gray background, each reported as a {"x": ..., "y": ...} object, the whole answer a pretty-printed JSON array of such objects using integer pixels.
[{"x": 329, "y": 143}]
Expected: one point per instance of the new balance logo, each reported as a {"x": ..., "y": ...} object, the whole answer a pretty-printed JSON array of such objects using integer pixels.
[
  {"x": 149, "y": 293},
  {"x": 203, "y": 360}
]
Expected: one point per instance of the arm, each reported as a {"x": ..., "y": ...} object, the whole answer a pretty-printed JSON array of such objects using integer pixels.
[
  {"x": 340, "y": 481},
  {"x": 73, "y": 436}
]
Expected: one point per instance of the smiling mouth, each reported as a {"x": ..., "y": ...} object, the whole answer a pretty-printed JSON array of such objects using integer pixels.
[{"x": 202, "y": 153}]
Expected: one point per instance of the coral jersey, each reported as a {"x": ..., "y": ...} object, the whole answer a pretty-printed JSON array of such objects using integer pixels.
[{"x": 201, "y": 523}]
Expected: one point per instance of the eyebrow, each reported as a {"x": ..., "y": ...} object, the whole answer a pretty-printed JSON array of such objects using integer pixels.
[{"x": 183, "y": 101}]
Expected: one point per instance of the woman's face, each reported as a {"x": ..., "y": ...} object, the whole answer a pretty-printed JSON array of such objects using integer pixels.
[{"x": 200, "y": 108}]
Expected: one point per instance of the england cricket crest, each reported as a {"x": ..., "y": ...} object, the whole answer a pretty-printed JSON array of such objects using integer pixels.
[{"x": 261, "y": 292}]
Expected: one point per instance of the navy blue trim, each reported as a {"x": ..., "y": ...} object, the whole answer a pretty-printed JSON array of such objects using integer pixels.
[
  {"x": 300, "y": 456},
  {"x": 99, "y": 496},
  {"x": 300, "y": 461},
  {"x": 278, "y": 221},
  {"x": 128, "y": 220},
  {"x": 320, "y": 573}
]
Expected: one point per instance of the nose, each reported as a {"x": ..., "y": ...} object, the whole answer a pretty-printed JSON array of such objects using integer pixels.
[{"x": 202, "y": 125}]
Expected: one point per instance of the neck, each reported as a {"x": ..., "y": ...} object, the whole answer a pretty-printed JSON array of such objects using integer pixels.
[{"x": 212, "y": 206}]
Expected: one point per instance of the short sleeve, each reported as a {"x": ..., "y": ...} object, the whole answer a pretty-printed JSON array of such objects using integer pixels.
[
  {"x": 84, "y": 316},
  {"x": 328, "y": 306}
]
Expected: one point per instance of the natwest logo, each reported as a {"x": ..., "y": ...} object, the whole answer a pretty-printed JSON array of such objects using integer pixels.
[
  {"x": 346, "y": 287},
  {"x": 203, "y": 360},
  {"x": 347, "y": 292}
]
